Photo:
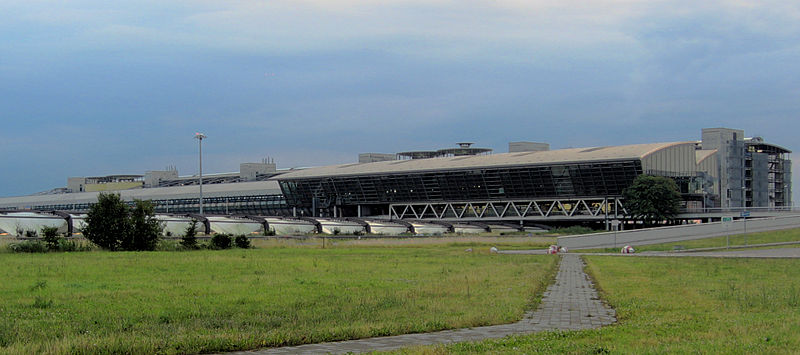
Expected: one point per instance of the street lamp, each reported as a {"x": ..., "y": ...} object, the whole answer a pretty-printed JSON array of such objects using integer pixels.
[{"x": 200, "y": 137}]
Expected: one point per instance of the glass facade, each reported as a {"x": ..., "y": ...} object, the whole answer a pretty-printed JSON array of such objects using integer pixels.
[{"x": 524, "y": 182}]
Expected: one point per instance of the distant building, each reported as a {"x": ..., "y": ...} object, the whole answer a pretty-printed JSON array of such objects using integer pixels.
[
  {"x": 375, "y": 157},
  {"x": 105, "y": 183},
  {"x": 517, "y": 147},
  {"x": 723, "y": 169}
]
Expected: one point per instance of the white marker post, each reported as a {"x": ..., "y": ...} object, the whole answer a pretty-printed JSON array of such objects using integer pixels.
[
  {"x": 726, "y": 223},
  {"x": 744, "y": 215}
]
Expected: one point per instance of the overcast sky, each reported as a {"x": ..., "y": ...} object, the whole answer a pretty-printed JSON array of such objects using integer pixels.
[{"x": 117, "y": 87}]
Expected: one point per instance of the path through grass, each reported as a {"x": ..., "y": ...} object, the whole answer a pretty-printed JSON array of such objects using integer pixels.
[{"x": 677, "y": 305}]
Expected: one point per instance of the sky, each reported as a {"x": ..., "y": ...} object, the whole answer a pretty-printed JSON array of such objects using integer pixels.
[{"x": 91, "y": 88}]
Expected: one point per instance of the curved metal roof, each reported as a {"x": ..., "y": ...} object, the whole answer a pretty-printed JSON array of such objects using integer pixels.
[
  {"x": 701, "y": 155},
  {"x": 561, "y": 156},
  {"x": 769, "y": 147}
]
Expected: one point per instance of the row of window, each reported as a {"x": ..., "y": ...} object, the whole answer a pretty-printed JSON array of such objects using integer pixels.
[{"x": 262, "y": 205}]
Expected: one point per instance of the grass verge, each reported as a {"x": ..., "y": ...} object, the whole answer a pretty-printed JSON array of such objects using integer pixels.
[
  {"x": 213, "y": 301},
  {"x": 676, "y": 305}
]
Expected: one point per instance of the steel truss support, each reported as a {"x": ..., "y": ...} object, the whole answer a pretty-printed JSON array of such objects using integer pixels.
[{"x": 576, "y": 208}]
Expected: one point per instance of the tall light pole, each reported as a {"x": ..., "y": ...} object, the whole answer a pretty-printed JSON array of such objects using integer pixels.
[{"x": 200, "y": 137}]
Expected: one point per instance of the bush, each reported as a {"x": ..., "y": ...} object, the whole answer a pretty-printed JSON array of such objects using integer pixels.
[
  {"x": 169, "y": 245},
  {"x": 29, "y": 246},
  {"x": 189, "y": 239},
  {"x": 31, "y": 234},
  {"x": 71, "y": 245},
  {"x": 51, "y": 238},
  {"x": 269, "y": 232},
  {"x": 112, "y": 225},
  {"x": 241, "y": 241},
  {"x": 220, "y": 241}
]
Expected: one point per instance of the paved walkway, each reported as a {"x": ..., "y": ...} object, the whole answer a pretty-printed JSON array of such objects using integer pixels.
[{"x": 570, "y": 303}]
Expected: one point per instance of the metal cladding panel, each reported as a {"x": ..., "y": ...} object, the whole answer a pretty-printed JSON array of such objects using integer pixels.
[
  {"x": 678, "y": 159},
  {"x": 708, "y": 162}
]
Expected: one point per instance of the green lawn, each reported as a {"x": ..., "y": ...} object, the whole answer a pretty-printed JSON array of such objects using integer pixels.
[
  {"x": 788, "y": 235},
  {"x": 465, "y": 241},
  {"x": 677, "y": 305},
  {"x": 207, "y": 301}
]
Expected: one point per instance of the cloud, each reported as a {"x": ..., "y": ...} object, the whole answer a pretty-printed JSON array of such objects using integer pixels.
[{"x": 356, "y": 75}]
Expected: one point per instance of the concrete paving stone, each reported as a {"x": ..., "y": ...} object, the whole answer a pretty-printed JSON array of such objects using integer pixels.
[{"x": 568, "y": 304}]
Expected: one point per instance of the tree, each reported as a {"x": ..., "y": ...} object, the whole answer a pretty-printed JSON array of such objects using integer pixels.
[
  {"x": 113, "y": 225},
  {"x": 145, "y": 229},
  {"x": 107, "y": 222},
  {"x": 189, "y": 239},
  {"x": 652, "y": 199},
  {"x": 50, "y": 237}
]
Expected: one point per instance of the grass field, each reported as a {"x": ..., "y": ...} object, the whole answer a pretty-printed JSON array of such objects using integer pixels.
[
  {"x": 676, "y": 305},
  {"x": 207, "y": 301},
  {"x": 466, "y": 241},
  {"x": 788, "y": 235}
]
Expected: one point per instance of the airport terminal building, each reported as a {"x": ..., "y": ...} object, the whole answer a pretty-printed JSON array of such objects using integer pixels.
[{"x": 724, "y": 169}]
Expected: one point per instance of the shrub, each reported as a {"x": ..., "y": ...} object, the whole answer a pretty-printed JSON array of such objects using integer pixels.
[
  {"x": 50, "y": 237},
  {"x": 169, "y": 245},
  {"x": 221, "y": 241},
  {"x": 241, "y": 241},
  {"x": 31, "y": 234},
  {"x": 28, "y": 246},
  {"x": 269, "y": 232},
  {"x": 70, "y": 245},
  {"x": 189, "y": 239}
]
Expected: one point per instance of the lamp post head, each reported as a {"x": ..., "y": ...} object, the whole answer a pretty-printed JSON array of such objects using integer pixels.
[{"x": 199, "y": 136}]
